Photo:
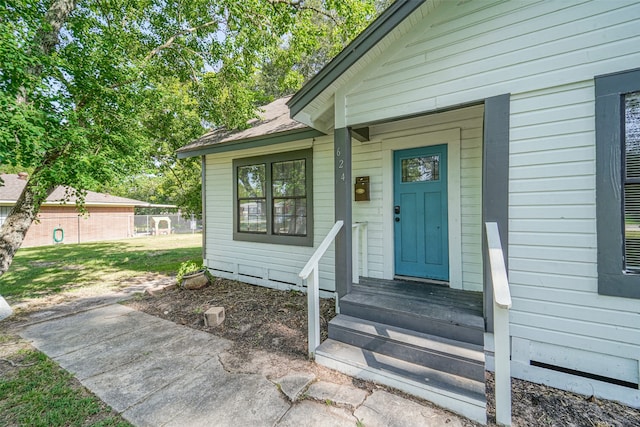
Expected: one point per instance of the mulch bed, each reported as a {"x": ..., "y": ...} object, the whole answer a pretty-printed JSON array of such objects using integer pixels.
[
  {"x": 259, "y": 318},
  {"x": 255, "y": 317}
]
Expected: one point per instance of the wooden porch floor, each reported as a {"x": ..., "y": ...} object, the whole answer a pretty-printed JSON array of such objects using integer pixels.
[{"x": 456, "y": 300}]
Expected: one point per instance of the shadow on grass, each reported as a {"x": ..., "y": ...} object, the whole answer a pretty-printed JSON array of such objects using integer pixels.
[{"x": 52, "y": 269}]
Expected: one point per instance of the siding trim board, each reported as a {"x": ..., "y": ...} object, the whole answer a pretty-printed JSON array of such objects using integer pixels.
[{"x": 612, "y": 279}]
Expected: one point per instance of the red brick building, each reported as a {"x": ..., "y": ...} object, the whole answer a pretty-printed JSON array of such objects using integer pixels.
[{"x": 108, "y": 217}]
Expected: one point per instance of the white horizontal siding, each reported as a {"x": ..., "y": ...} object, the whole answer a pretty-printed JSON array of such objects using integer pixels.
[
  {"x": 553, "y": 245},
  {"x": 319, "y": 111},
  {"x": 262, "y": 263},
  {"x": 469, "y": 51}
]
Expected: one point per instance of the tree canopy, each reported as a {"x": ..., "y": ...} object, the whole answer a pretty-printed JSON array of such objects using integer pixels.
[{"x": 93, "y": 91}]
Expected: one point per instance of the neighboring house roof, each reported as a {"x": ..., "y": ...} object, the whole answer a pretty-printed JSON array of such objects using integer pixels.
[
  {"x": 273, "y": 126},
  {"x": 13, "y": 186},
  {"x": 374, "y": 33}
]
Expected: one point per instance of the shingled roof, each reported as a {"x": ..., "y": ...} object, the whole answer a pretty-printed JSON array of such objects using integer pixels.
[
  {"x": 274, "y": 125},
  {"x": 13, "y": 186}
]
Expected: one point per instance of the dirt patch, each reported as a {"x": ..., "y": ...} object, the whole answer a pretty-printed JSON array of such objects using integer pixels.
[
  {"x": 255, "y": 317},
  {"x": 269, "y": 331}
]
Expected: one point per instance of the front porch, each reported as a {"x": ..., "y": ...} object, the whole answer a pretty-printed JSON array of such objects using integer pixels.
[
  {"x": 436, "y": 180},
  {"x": 424, "y": 339}
]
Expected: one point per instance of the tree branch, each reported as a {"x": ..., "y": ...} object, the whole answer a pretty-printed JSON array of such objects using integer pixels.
[
  {"x": 17, "y": 365},
  {"x": 298, "y": 4},
  {"x": 173, "y": 38}
]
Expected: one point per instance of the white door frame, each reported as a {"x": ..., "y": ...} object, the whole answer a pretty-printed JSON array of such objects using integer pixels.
[{"x": 451, "y": 138}]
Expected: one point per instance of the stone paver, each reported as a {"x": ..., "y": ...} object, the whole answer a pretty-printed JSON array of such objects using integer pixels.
[
  {"x": 383, "y": 409},
  {"x": 294, "y": 384},
  {"x": 308, "y": 413},
  {"x": 340, "y": 394}
]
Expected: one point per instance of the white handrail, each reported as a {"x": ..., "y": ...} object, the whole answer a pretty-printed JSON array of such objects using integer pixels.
[
  {"x": 501, "y": 293},
  {"x": 501, "y": 335},
  {"x": 310, "y": 274},
  {"x": 306, "y": 270},
  {"x": 359, "y": 241}
]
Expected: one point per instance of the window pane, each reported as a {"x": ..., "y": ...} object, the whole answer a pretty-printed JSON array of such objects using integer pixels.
[
  {"x": 632, "y": 189},
  {"x": 252, "y": 216},
  {"x": 290, "y": 217},
  {"x": 632, "y": 226},
  {"x": 632, "y": 134},
  {"x": 420, "y": 169},
  {"x": 251, "y": 181},
  {"x": 288, "y": 178}
]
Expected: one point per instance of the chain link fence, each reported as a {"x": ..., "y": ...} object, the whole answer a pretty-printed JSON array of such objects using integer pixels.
[
  {"x": 55, "y": 229},
  {"x": 145, "y": 225}
]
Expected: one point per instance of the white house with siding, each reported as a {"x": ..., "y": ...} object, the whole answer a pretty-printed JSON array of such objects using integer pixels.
[{"x": 454, "y": 113}]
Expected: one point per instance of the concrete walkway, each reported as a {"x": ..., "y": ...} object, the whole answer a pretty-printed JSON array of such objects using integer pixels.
[{"x": 157, "y": 373}]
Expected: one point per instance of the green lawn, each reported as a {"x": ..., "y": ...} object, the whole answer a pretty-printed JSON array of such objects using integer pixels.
[
  {"x": 34, "y": 391},
  {"x": 53, "y": 269},
  {"x": 39, "y": 393}
]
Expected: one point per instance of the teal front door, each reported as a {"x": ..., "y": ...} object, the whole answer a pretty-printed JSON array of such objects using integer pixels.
[{"x": 420, "y": 213}]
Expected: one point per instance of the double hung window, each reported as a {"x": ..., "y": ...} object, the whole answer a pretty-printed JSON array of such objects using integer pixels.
[{"x": 273, "y": 198}]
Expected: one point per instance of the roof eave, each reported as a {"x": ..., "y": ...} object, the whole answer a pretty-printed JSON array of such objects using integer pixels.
[
  {"x": 385, "y": 23},
  {"x": 72, "y": 204},
  {"x": 253, "y": 142}
]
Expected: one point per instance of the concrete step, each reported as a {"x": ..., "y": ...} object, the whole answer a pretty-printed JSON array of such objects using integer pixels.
[
  {"x": 416, "y": 314},
  {"x": 442, "y": 354},
  {"x": 461, "y": 395}
]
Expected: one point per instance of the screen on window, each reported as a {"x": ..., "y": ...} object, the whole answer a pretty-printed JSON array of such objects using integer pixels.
[{"x": 632, "y": 181}]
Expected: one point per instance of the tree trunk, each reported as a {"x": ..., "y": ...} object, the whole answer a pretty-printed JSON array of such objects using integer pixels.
[
  {"x": 17, "y": 224},
  {"x": 26, "y": 209},
  {"x": 56, "y": 17}
]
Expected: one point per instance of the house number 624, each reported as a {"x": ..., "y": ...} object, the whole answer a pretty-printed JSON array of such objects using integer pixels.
[{"x": 340, "y": 162}]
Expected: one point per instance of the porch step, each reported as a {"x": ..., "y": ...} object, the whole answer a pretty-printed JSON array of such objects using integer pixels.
[
  {"x": 445, "y": 355},
  {"x": 421, "y": 312},
  {"x": 462, "y": 395}
]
